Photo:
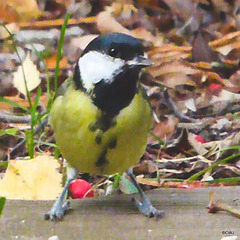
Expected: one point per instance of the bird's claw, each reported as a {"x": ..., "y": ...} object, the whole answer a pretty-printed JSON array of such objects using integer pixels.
[
  {"x": 57, "y": 212},
  {"x": 148, "y": 210}
]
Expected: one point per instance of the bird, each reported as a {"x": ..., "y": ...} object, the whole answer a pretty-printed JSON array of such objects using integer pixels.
[{"x": 101, "y": 116}]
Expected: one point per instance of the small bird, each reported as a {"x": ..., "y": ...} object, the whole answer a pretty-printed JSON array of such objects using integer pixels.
[{"x": 101, "y": 117}]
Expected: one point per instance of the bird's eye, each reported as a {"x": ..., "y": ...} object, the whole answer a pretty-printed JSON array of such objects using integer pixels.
[{"x": 113, "y": 52}]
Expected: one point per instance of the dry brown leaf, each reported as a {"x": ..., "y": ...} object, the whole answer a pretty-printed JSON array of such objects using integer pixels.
[
  {"x": 106, "y": 23},
  {"x": 145, "y": 35},
  {"x": 19, "y": 10},
  {"x": 184, "y": 9},
  {"x": 170, "y": 68},
  {"x": 51, "y": 62},
  {"x": 144, "y": 181},
  {"x": 172, "y": 48},
  {"x": 200, "y": 65},
  {"x": 221, "y": 6},
  {"x": 121, "y": 8},
  {"x": 165, "y": 128},
  {"x": 82, "y": 42},
  {"x": 167, "y": 53},
  {"x": 167, "y": 60},
  {"x": 172, "y": 80},
  {"x": 227, "y": 39},
  {"x": 36, "y": 179},
  {"x": 233, "y": 83}
]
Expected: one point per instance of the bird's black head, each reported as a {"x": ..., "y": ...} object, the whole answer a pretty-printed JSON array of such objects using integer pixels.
[
  {"x": 108, "y": 70},
  {"x": 116, "y": 45}
]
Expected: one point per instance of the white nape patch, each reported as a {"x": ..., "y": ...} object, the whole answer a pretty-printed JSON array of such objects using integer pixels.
[{"x": 95, "y": 66}]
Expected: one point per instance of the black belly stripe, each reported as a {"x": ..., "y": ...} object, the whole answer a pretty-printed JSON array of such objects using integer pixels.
[
  {"x": 113, "y": 143},
  {"x": 102, "y": 161}
]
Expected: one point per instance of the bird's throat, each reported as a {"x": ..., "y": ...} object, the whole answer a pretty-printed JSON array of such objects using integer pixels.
[{"x": 112, "y": 98}]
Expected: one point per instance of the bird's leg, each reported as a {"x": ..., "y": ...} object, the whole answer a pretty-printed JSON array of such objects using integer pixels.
[
  {"x": 144, "y": 205},
  {"x": 60, "y": 206}
]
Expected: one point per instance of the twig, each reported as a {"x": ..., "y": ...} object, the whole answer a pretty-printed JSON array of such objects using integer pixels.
[
  {"x": 10, "y": 118},
  {"x": 56, "y": 23},
  {"x": 218, "y": 206}
]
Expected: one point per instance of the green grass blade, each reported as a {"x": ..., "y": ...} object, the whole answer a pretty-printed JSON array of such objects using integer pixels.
[
  {"x": 34, "y": 120},
  {"x": 2, "y": 204},
  {"x": 226, "y": 180},
  {"x": 212, "y": 166},
  {"x": 37, "y": 99},
  {"x": 30, "y": 143},
  {"x": 60, "y": 48},
  {"x": 3, "y": 165},
  {"x": 14, "y": 104},
  {"x": 46, "y": 71}
]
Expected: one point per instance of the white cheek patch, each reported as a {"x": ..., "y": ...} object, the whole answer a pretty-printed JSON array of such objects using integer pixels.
[{"x": 95, "y": 66}]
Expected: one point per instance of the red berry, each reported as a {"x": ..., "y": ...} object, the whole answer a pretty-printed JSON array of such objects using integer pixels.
[
  {"x": 79, "y": 188},
  {"x": 215, "y": 87},
  {"x": 200, "y": 139}
]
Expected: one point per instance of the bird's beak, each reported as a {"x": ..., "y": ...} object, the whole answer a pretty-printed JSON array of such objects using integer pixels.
[{"x": 140, "y": 61}]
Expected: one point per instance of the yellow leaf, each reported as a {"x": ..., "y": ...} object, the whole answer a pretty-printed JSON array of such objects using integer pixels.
[
  {"x": 31, "y": 73},
  {"x": 36, "y": 179}
]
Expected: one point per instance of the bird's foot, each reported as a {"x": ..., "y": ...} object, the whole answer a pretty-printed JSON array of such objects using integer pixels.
[
  {"x": 57, "y": 212},
  {"x": 147, "y": 209}
]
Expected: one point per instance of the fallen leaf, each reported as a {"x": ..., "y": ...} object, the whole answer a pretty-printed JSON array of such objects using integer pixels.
[
  {"x": 165, "y": 128},
  {"x": 35, "y": 179},
  {"x": 19, "y": 10},
  {"x": 106, "y": 23},
  {"x": 145, "y": 35},
  {"x": 82, "y": 42},
  {"x": 32, "y": 76},
  {"x": 51, "y": 62},
  {"x": 227, "y": 39}
]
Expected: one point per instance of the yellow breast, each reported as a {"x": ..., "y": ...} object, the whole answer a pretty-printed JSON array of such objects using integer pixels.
[{"x": 120, "y": 147}]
